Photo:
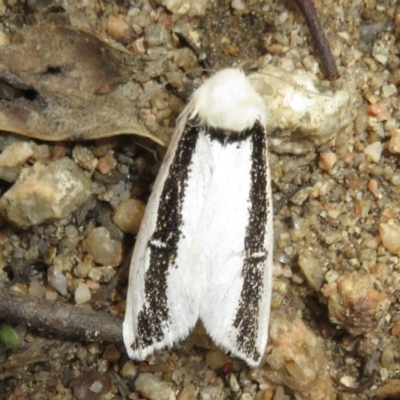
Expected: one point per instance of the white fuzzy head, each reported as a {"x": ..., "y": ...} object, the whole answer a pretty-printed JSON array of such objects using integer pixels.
[{"x": 227, "y": 101}]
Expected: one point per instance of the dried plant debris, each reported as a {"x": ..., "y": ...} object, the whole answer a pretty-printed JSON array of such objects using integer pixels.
[
  {"x": 58, "y": 83},
  {"x": 70, "y": 210}
]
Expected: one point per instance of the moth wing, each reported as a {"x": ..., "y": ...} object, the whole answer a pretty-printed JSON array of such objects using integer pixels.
[
  {"x": 233, "y": 249},
  {"x": 161, "y": 304}
]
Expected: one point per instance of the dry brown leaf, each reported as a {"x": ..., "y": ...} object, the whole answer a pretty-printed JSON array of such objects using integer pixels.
[{"x": 57, "y": 83}]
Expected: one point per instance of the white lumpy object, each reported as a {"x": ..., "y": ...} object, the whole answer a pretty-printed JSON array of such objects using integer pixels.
[
  {"x": 82, "y": 293},
  {"x": 57, "y": 280},
  {"x": 302, "y": 112}
]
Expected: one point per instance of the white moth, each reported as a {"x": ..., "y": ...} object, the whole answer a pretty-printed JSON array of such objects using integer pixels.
[{"x": 204, "y": 250}]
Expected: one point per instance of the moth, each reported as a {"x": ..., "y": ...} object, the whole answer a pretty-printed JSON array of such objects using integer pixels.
[{"x": 204, "y": 249}]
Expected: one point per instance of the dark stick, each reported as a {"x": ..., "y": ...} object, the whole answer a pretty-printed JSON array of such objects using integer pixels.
[
  {"x": 316, "y": 30},
  {"x": 58, "y": 318}
]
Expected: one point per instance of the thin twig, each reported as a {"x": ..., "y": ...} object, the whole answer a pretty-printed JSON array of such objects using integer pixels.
[
  {"x": 317, "y": 32},
  {"x": 58, "y": 318}
]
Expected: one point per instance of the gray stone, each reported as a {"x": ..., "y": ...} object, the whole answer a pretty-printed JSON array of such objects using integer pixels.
[{"x": 45, "y": 193}]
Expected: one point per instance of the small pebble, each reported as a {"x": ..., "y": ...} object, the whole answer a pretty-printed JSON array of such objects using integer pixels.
[
  {"x": 51, "y": 295},
  {"x": 96, "y": 387},
  {"x": 37, "y": 289},
  {"x": 280, "y": 289},
  {"x": 41, "y": 152},
  {"x": 216, "y": 359},
  {"x": 189, "y": 392},
  {"x": 138, "y": 46},
  {"x": 387, "y": 357},
  {"x": 185, "y": 59},
  {"x": 328, "y": 289},
  {"x": 233, "y": 382},
  {"x": 396, "y": 329},
  {"x": 327, "y": 160},
  {"x": 380, "y": 51},
  {"x": 374, "y": 151},
  {"x": 211, "y": 393},
  {"x": 140, "y": 18},
  {"x": 388, "y": 90},
  {"x": 311, "y": 268},
  {"x": 154, "y": 388},
  {"x": 156, "y": 35},
  {"x": 111, "y": 353},
  {"x": 119, "y": 29},
  {"x": 246, "y": 396},
  {"x": 102, "y": 274},
  {"x": 394, "y": 143},
  {"x": 128, "y": 215},
  {"x": 106, "y": 164},
  {"x": 102, "y": 248},
  {"x": 178, "y": 7},
  {"x": 58, "y": 151},
  {"x": 373, "y": 188},
  {"x": 129, "y": 370},
  {"x": 84, "y": 158},
  {"x": 83, "y": 267},
  {"x": 390, "y": 237},
  {"x": 311, "y": 64},
  {"x": 378, "y": 111},
  {"x": 238, "y": 5},
  {"x": 93, "y": 348},
  {"x": 4, "y": 39},
  {"x": 57, "y": 280},
  {"x": 82, "y": 294},
  {"x": 93, "y": 285},
  {"x": 81, "y": 353},
  {"x": 16, "y": 154}
]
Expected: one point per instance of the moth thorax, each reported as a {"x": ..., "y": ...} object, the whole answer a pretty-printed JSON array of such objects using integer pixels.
[{"x": 228, "y": 101}]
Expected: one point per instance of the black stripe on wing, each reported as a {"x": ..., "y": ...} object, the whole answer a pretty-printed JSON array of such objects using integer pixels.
[
  {"x": 256, "y": 253},
  {"x": 164, "y": 242}
]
